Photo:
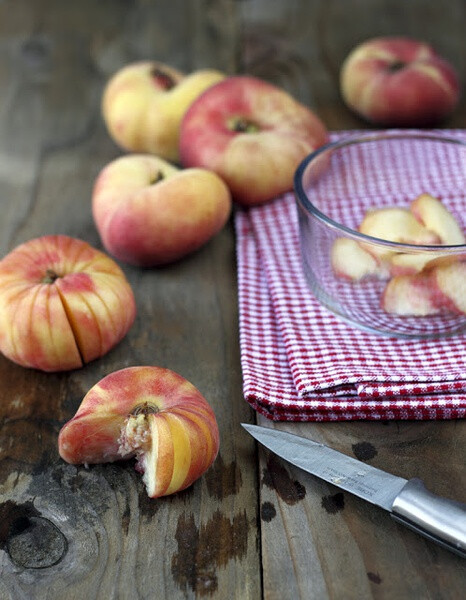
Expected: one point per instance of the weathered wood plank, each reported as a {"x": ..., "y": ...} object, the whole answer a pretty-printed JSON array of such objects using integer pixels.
[
  {"x": 330, "y": 544},
  {"x": 93, "y": 533}
]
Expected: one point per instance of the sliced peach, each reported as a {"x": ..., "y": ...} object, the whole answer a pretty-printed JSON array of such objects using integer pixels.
[
  {"x": 410, "y": 295},
  {"x": 397, "y": 225},
  {"x": 394, "y": 225},
  {"x": 435, "y": 217},
  {"x": 438, "y": 288},
  {"x": 350, "y": 261},
  {"x": 150, "y": 413},
  {"x": 62, "y": 303},
  {"x": 410, "y": 264},
  {"x": 451, "y": 281}
]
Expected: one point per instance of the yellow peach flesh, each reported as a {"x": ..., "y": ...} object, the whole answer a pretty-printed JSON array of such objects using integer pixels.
[
  {"x": 350, "y": 261},
  {"x": 436, "y": 217}
]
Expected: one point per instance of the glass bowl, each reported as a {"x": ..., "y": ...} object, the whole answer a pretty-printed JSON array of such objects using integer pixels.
[{"x": 337, "y": 186}]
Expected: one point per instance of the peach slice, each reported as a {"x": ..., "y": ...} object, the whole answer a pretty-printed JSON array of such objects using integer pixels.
[
  {"x": 150, "y": 413},
  {"x": 441, "y": 287},
  {"x": 410, "y": 264},
  {"x": 435, "y": 217},
  {"x": 451, "y": 281},
  {"x": 62, "y": 303},
  {"x": 350, "y": 261},
  {"x": 395, "y": 225},
  {"x": 410, "y": 295}
]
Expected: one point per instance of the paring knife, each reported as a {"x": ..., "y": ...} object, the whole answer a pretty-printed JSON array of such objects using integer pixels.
[{"x": 408, "y": 501}]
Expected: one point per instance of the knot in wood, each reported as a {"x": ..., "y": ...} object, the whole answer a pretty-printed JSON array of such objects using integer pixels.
[{"x": 31, "y": 540}]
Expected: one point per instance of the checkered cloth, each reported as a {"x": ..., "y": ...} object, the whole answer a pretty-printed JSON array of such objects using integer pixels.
[{"x": 301, "y": 363}]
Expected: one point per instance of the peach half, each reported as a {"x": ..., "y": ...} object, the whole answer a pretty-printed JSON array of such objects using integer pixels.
[
  {"x": 62, "y": 303},
  {"x": 149, "y": 413}
]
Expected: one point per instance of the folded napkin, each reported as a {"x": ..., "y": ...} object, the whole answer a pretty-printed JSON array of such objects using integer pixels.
[{"x": 302, "y": 363}]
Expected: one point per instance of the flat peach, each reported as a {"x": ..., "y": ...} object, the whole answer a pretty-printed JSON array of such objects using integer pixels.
[
  {"x": 149, "y": 413},
  {"x": 252, "y": 134},
  {"x": 399, "y": 81},
  {"x": 62, "y": 303},
  {"x": 150, "y": 213},
  {"x": 144, "y": 102}
]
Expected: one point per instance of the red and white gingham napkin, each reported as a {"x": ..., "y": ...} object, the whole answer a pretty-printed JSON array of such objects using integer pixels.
[{"x": 301, "y": 363}]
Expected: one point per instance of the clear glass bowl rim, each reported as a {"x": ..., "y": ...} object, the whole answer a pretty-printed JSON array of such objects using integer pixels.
[{"x": 309, "y": 207}]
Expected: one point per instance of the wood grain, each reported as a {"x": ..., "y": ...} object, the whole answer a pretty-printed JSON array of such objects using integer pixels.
[
  {"x": 250, "y": 528},
  {"x": 330, "y": 544}
]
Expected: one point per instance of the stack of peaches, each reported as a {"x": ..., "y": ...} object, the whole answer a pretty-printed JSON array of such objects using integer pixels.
[{"x": 195, "y": 143}]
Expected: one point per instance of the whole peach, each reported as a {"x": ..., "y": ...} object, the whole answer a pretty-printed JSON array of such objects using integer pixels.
[
  {"x": 62, "y": 303},
  {"x": 396, "y": 81},
  {"x": 252, "y": 134},
  {"x": 144, "y": 102},
  {"x": 151, "y": 213}
]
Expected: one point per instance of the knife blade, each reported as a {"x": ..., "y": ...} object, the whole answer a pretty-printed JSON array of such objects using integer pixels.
[{"x": 408, "y": 501}]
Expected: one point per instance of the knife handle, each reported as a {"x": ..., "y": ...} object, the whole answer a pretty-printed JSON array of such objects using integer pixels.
[{"x": 434, "y": 517}]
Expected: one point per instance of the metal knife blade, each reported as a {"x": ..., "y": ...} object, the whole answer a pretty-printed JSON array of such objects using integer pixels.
[{"x": 408, "y": 501}]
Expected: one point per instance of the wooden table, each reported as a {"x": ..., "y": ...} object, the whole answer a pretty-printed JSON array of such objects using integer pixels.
[{"x": 252, "y": 527}]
